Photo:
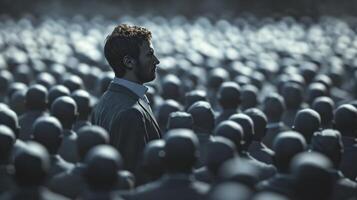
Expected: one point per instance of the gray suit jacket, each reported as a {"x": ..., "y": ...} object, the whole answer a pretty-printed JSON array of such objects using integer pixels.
[{"x": 129, "y": 121}]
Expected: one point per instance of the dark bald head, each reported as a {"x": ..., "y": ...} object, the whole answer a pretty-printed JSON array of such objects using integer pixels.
[
  {"x": 171, "y": 88},
  {"x": 45, "y": 79},
  {"x": 178, "y": 159},
  {"x": 346, "y": 120},
  {"x": 180, "y": 120},
  {"x": 83, "y": 101},
  {"x": 219, "y": 150},
  {"x": 232, "y": 131},
  {"x": 9, "y": 119},
  {"x": 57, "y": 91},
  {"x": 286, "y": 146},
  {"x": 164, "y": 111},
  {"x": 307, "y": 121},
  {"x": 249, "y": 97},
  {"x": 248, "y": 128},
  {"x": 203, "y": 117},
  {"x": 73, "y": 82},
  {"x": 16, "y": 86},
  {"x": 274, "y": 107},
  {"x": 6, "y": 79},
  {"x": 325, "y": 80},
  {"x": 329, "y": 143},
  {"x": 314, "y": 91},
  {"x": 194, "y": 96},
  {"x": 17, "y": 102},
  {"x": 48, "y": 132},
  {"x": 65, "y": 110},
  {"x": 31, "y": 165},
  {"x": 90, "y": 136},
  {"x": 102, "y": 165},
  {"x": 153, "y": 158},
  {"x": 293, "y": 95},
  {"x": 229, "y": 95},
  {"x": 36, "y": 97},
  {"x": 260, "y": 122},
  {"x": 311, "y": 171},
  {"x": 216, "y": 77},
  {"x": 308, "y": 71},
  {"x": 7, "y": 141},
  {"x": 324, "y": 106}
]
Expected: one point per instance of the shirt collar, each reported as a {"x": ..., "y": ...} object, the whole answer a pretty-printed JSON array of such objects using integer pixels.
[{"x": 138, "y": 89}]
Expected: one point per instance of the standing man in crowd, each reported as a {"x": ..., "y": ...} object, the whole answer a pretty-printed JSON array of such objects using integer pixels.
[{"x": 124, "y": 109}]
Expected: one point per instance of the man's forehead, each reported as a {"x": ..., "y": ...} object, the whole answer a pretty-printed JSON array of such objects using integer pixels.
[{"x": 147, "y": 46}]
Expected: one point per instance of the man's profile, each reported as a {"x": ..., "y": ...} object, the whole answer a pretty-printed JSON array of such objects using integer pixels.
[{"x": 124, "y": 110}]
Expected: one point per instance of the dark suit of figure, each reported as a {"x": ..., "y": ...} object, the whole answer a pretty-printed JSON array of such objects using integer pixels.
[
  {"x": 36, "y": 105},
  {"x": 178, "y": 182},
  {"x": 257, "y": 149},
  {"x": 273, "y": 107},
  {"x": 124, "y": 110},
  {"x": 31, "y": 168},
  {"x": 329, "y": 143},
  {"x": 229, "y": 100},
  {"x": 70, "y": 183},
  {"x": 286, "y": 146},
  {"x": 345, "y": 121}
]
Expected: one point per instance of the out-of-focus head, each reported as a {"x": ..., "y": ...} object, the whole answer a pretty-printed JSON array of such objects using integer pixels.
[
  {"x": 229, "y": 95},
  {"x": 45, "y": 79},
  {"x": 216, "y": 77},
  {"x": 286, "y": 146},
  {"x": 293, "y": 95},
  {"x": 249, "y": 97},
  {"x": 7, "y": 141},
  {"x": 90, "y": 136},
  {"x": 274, "y": 107},
  {"x": 203, "y": 117},
  {"x": 231, "y": 191},
  {"x": 176, "y": 158},
  {"x": 17, "y": 102},
  {"x": 248, "y": 128},
  {"x": 57, "y": 91},
  {"x": 36, "y": 97},
  {"x": 307, "y": 121},
  {"x": 194, "y": 96},
  {"x": 32, "y": 165},
  {"x": 65, "y": 110},
  {"x": 166, "y": 108},
  {"x": 345, "y": 120},
  {"x": 232, "y": 131},
  {"x": 329, "y": 143},
  {"x": 260, "y": 122},
  {"x": 153, "y": 158},
  {"x": 314, "y": 91},
  {"x": 313, "y": 179},
  {"x": 102, "y": 165},
  {"x": 6, "y": 79},
  {"x": 16, "y": 86},
  {"x": 48, "y": 132},
  {"x": 324, "y": 106},
  {"x": 180, "y": 120},
  {"x": 84, "y": 104},
  {"x": 219, "y": 150},
  {"x": 171, "y": 88},
  {"x": 73, "y": 82},
  {"x": 9, "y": 118}
]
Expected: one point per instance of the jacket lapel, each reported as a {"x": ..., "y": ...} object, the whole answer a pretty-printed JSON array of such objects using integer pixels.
[{"x": 148, "y": 110}]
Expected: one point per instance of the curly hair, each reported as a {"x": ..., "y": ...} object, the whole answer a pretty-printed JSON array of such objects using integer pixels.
[{"x": 125, "y": 40}]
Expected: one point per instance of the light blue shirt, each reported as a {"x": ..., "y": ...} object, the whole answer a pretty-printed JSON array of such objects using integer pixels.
[{"x": 138, "y": 89}]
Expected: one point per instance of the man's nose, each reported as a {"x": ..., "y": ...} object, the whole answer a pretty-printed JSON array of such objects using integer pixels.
[{"x": 157, "y": 61}]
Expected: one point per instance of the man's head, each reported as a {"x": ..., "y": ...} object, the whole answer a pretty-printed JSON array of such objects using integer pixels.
[{"x": 129, "y": 52}]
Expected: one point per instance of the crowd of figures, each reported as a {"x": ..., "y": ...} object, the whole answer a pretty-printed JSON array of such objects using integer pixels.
[{"x": 249, "y": 108}]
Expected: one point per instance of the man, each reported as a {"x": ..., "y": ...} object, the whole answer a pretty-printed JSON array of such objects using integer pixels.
[{"x": 124, "y": 110}]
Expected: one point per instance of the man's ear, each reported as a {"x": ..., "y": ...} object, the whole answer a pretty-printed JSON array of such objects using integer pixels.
[{"x": 129, "y": 62}]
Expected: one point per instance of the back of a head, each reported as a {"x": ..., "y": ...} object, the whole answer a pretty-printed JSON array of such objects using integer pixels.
[
  {"x": 259, "y": 120},
  {"x": 286, "y": 146},
  {"x": 249, "y": 97},
  {"x": 102, "y": 165},
  {"x": 17, "y": 102},
  {"x": 65, "y": 110},
  {"x": 314, "y": 91},
  {"x": 274, "y": 107},
  {"x": 218, "y": 151},
  {"x": 194, "y": 96},
  {"x": 229, "y": 95},
  {"x": 73, "y": 82},
  {"x": 48, "y": 132},
  {"x": 153, "y": 158},
  {"x": 230, "y": 191},
  {"x": 180, "y": 120},
  {"x": 312, "y": 176},
  {"x": 248, "y": 128},
  {"x": 324, "y": 106},
  {"x": 9, "y": 118},
  {"x": 346, "y": 120},
  {"x": 83, "y": 101},
  {"x": 7, "y": 141},
  {"x": 203, "y": 117},
  {"x": 178, "y": 159},
  {"x": 329, "y": 143},
  {"x": 293, "y": 95},
  {"x": 307, "y": 121},
  {"x": 36, "y": 97},
  {"x": 232, "y": 131},
  {"x": 31, "y": 165},
  {"x": 57, "y": 91},
  {"x": 216, "y": 77},
  {"x": 90, "y": 136},
  {"x": 171, "y": 87},
  {"x": 5, "y": 80},
  {"x": 169, "y": 106},
  {"x": 45, "y": 79}
]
